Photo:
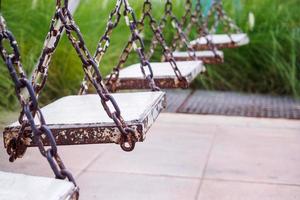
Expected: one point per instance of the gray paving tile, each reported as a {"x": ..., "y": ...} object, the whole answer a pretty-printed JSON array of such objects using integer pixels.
[
  {"x": 172, "y": 148},
  {"x": 171, "y": 160},
  {"x": 76, "y": 158},
  {"x": 260, "y": 155},
  {"x": 111, "y": 186},
  {"x": 225, "y": 190}
]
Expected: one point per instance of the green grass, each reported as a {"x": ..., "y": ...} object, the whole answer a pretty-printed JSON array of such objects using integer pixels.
[
  {"x": 6, "y": 118},
  {"x": 270, "y": 64}
]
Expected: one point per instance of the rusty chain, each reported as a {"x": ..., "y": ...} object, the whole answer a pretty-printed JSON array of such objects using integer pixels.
[
  {"x": 64, "y": 19},
  {"x": 196, "y": 19},
  {"x": 40, "y": 75},
  {"x": 189, "y": 18},
  {"x": 180, "y": 34},
  {"x": 168, "y": 54},
  {"x": 219, "y": 13},
  {"x": 17, "y": 147},
  {"x": 138, "y": 45},
  {"x": 93, "y": 74},
  {"x": 104, "y": 43}
]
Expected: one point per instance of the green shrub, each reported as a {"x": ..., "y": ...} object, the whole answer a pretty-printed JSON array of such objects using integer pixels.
[{"x": 269, "y": 64}]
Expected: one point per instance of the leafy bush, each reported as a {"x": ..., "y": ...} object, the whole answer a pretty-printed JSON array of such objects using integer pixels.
[{"x": 270, "y": 64}]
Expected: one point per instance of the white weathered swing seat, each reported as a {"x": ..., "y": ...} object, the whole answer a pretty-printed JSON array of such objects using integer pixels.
[
  {"x": 221, "y": 41},
  {"x": 23, "y": 187},
  {"x": 82, "y": 119},
  {"x": 207, "y": 57},
  {"x": 164, "y": 76}
]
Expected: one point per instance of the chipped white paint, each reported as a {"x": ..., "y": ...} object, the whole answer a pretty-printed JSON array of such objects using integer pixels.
[
  {"x": 82, "y": 119},
  {"x": 221, "y": 39},
  {"x": 88, "y": 110},
  {"x": 23, "y": 187}
]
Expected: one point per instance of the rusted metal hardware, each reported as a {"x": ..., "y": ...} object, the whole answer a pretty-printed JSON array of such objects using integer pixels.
[
  {"x": 207, "y": 57},
  {"x": 113, "y": 81},
  {"x": 218, "y": 13},
  {"x": 206, "y": 60},
  {"x": 136, "y": 43},
  {"x": 180, "y": 34},
  {"x": 16, "y": 147},
  {"x": 166, "y": 83},
  {"x": 92, "y": 74},
  {"x": 195, "y": 19},
  {"x": 104, "y": 43},
  {"x": 79, "y": 133},
  {"x": 228, "y": 43},
  {"x": 164, "y": 77}
]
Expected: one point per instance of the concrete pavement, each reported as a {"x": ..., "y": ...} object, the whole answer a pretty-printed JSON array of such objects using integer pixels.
[{"x": 190, "y": 157}]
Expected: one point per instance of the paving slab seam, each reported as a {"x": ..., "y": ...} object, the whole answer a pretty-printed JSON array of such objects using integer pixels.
[
  {"x": 243, "y": 126},
  {"x": 90, "y": 164},
  {"x": 206, "y": 165},
  {"x": 146, "y": 174},
  {"x": 250, "y": 182}
]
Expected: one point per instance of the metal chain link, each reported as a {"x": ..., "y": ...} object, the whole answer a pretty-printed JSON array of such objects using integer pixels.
[
  {"x": 136, "y": 43},
  {"x": 180, "y": 35},
  {"x": 189, "y": 18},
  {"x": 63, "y": 16},
  {"x": 219, "y": 13},
  {"x": 168, "y": 54},
  {"x": 40, "y": 75},
  {"x": 30, "y": 107},
  {"x": 195, "y": 19},
  {"x": 104, "y": 43},
  {"x": 93, "y": 74}
]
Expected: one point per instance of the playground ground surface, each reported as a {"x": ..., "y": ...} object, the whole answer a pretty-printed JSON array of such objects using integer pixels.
[{"x": 191, "y": 157}]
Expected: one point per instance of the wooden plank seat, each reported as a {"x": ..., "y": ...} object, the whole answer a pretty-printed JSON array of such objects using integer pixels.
[
  {"x": 221, "y": 41},
  {"x": 164, "y": 75},
  {"x": 207, "y": 57},
  {"x": 82, "y": 119},
  {"x": 24, "y": 187}
]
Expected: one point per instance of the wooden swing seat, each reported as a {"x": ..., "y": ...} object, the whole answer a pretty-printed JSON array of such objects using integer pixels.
[
  {"x": 24, "y": 187},
  {"x": 207, "y": 57},
  {"x": 221, "y": 41},
  {"x": 164, "y": 75},
  {"x": 76, "y": 120}
]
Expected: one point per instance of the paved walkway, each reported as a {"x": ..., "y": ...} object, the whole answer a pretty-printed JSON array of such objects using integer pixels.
[{"x": 187, "y": 157}]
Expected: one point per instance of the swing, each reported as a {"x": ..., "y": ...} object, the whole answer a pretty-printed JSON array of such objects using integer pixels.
[
  {"x": 16, "y": 146},
  {"x": 225, "y": 40},
  {"x": 167, "y": 74},
  {"x": 80, "y": 119},
  {"x": 34, "y": 188},
  {"x": 194, "y": 19},
  {"x": 73, "y": 120},
  {"x": 164, "y": 75}
]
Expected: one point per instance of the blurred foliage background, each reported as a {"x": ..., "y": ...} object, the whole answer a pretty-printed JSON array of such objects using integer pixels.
[{"x": 269, "y": 64}]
